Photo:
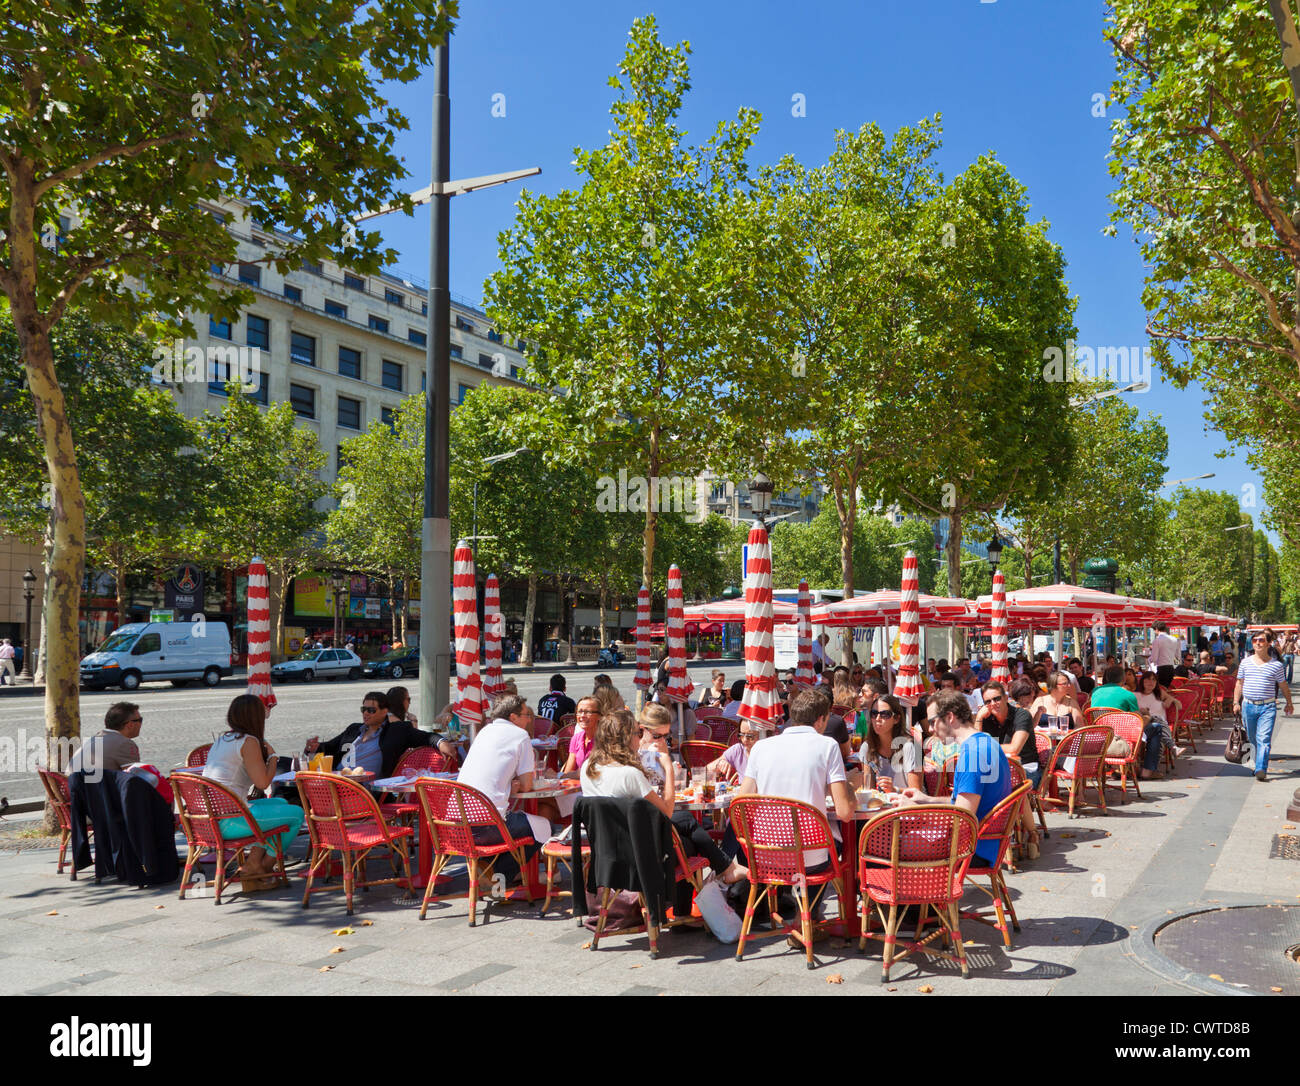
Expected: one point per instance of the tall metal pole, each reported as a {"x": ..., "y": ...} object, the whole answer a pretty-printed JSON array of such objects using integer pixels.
[{"x": 435, "y": 560}]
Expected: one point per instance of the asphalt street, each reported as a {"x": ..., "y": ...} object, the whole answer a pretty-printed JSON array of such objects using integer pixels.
[{"x": 177, "y": 720}]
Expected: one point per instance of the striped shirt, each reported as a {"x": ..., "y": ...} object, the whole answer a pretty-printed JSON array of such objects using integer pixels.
[{"x": 1259, "y": 681}]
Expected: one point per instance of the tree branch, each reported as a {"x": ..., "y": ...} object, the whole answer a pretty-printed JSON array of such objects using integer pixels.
[{"x": 120, "y": 151}]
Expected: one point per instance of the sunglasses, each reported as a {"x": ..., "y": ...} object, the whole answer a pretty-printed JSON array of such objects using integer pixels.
[
  {"x": 748, "y": 735},
  {"x": 882, "y": 712},
  {"x": 657, "y": 735},
  {"x": 136, "y": 720},
  {"x": 999, "y": 697},
  {"x": 370, "y": 708}
]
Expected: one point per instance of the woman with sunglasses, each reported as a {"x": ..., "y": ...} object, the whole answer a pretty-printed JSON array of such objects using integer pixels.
[
  {"x": 889, "y": 749},
  {"x": 1058, "y": 708}
]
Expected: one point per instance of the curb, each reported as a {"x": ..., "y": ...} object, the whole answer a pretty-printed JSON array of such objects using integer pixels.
[{"x": 1143, "y": 947}]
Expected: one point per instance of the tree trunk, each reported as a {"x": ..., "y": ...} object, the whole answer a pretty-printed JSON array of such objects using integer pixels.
[
  {"x": 282, "y": 606},
  {"x": 530, "y": 613},
  {"x": 954, "y": 574},
  {"x": 38, "y": 670},
  {"x": 846, "y": 507},
  {"x": 651, "y": 516},
  {"x": 120, "y": 593},
  {"x": 406, "y": 606},
  {"x": 604, "y": 592},
  {"x": 394, "y": 622}
]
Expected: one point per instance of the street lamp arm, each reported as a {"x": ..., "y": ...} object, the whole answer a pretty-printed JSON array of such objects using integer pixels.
[{"x": 454, "y": 188}]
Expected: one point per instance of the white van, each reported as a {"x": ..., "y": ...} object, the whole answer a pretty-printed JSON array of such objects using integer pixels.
[{"x": 153, "y": 651}]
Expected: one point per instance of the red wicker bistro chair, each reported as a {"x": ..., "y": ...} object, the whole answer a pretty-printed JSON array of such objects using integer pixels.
[
  {"x": 1129, "y": 727},
  {"x": 1178, "y": 682},
  {"x": 554, "y": 852},
  {"x": 60, "y": 799},
  {"x": 198, "y": 757},
  {"x": 916, "y": 856},
  {"x": 1189, "y": 702},
  {"x": 1211, "y": 700},
  {"x": 707, "y": 713},
  {"x": 542, "y": 727},
  {"x": 451, "y": 812},
  {"x": 703, "y": 732},
  {"x": 568, "y": 719},
  {"x": 427, "y": 759},
  {"x": 560, "y": 755},
  {"x": 843, "y": 710},
  {"x": 343, "y": 817},
  {"x": 733, "y": 736},
  {"x": 697, "y": 753},
  {"x": 1227, "y": 688},
  {"x": 1179, "y": 725},
  {"x": 1085, "y": 750},
  {"x": 1018, "y": 778},
  {"x": 202, "y": 803},
  {"x": 775, "y": 834},
  {"x": 998, "y": 825}
]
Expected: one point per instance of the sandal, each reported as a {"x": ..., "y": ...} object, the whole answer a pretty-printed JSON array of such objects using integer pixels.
[{"x": 735, "y": 873}]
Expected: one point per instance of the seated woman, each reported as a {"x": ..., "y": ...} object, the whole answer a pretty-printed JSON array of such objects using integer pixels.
[
  {"x": 1018, "y": 740},
  {"x": 588, "y": 713},
  {"x": 715, "y": 695},
  {"x": 889, "y": 748},
  {"x": 1059, "y": 707},
  {"x": 241, "y": 759},
  {"x": 1155, "y": 701},
  {"x": 616, "y": 768}
]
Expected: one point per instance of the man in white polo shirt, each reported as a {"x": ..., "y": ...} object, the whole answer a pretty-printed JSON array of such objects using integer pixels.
[
  {"x": 500, "y": 763},
  {"x": 801, "y": 763}
]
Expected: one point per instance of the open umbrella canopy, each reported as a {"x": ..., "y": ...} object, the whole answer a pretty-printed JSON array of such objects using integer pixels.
[
  {"x": 259, "y": 634},
  {"x": 1077, "y": 606},
  {"x": 884, "y": 609},
  {"x": 734, "y": 611}
]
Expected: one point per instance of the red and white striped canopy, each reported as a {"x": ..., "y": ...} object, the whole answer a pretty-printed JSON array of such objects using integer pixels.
[
  {"x": 643, "y": 678},
  {"x": 679, "y": 683},
  {"x": 1000, "y": 672},
  {"x": 735, "y": 611},
  {"x": 884, "y": 608},
  {"x": 464, "y": 604},
  {"x": 493, "y": 628},
  {"x": 761, "y": 704},
  {"x": 1075, "y": 606},
  {"x": 259, "y": 634},
  {"x": 908, "y": 687},
  {"x": 804, "y": 675}
]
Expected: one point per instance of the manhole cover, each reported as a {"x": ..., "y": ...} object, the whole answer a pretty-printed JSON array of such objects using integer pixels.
[
  {"x": 1285, "y": 847},
  {"x": 1251, "y": 948}
]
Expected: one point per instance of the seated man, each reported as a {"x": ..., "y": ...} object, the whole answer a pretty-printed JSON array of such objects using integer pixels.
[
  {"x": 803, "y": 763},
  {"x": 557, "y": 704},
  {"x": 500, "y": 763},
  {"x": 113, "y": 748},
  {"x": 737, "y": 693},
  {"x": 983, "y": 776},
  {"x": 376, "y": 743},
  {"x": 1114, "y": 695}
]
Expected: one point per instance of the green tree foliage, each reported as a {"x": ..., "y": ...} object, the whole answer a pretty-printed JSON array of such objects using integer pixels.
[
  {"x": 629, "y": 284},
  {"x": 118, "y": 123},
  {"x": 812, "y": 551},
  {"x": 1206, "y": 154}
]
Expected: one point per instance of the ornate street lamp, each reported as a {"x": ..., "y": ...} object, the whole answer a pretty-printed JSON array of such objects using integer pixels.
[
  {"x": 29, "y": 582},
  {"x": 760, "y": 497},
  {"x": 995, "y": 551},
  {"x": 336, "y": 580}
]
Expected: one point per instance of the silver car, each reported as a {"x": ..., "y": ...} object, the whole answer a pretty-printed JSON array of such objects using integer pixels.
[{"x": 322, "y": 663}]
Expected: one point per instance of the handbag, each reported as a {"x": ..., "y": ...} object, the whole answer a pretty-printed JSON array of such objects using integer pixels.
[
  {"x": 1234, "y": 751},
  {"x": 720, "y": 917}
]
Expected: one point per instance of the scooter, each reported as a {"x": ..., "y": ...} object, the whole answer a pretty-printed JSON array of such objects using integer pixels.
[{"x": 610, "y": 657}]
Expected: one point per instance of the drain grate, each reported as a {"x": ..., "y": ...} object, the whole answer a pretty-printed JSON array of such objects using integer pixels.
[{"x": 1285, "y": 847}]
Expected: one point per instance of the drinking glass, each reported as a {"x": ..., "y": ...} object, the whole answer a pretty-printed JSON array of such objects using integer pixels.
[{"x": 697, "y": 776}]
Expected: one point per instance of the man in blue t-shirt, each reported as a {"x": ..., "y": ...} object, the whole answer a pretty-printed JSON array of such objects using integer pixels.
[{"x": 983, "y": 776}]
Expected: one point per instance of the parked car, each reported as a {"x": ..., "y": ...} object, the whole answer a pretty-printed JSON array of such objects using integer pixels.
[
  {"x": 148, "y": 651},
  {"x": 394, "y": 664},
  {"x": 325, "y": 663}
]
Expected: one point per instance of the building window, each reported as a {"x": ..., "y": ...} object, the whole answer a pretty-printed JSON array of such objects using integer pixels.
[
  {"x": 464, "y": 325},
  {"x": 514, "y": 372},
  {"x": 340, "y": 459},
  {"x": 303, "y": 400},
  {"x": 353, "y": 282},
  {"x": 386, "y": 417},
  {"x": 424, "y": 309},
  {"x": 218, "y": 329},
  {"x": 522, "y": 345},
  {"x": 258, "y": 332},
  {"x": 464, "y": 391},
  {"x": 395, "y": 297},
  {"x": 217, "y": 269},
  {"x": 220, "y": 216},
  {"x": 418, "y": 338},
  {"x": 302, "y": 349},
  {"x": 495, "y": 336},
  {"x": 392, "y": 375},
  {"x": 313, "y": 267},
  {"x": 485, "y": 360},
  {"x": 250, "y": 273},
  {"x": 292, "y": 293},
  {"x": 456, "y": 352},
  {"x": 349, "y": 413},
  {"x": 378, "y": 324},
  {"x": 335, "y": 309},
  {"x": 350, "y": 362},
  {"x": 423, "y": 375}
]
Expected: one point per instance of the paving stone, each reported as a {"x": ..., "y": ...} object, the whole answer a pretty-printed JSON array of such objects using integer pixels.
[{"x": 467, "y": 980}]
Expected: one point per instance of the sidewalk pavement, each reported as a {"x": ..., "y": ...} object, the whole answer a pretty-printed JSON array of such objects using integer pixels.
[{"x": 1196, "y": 841}]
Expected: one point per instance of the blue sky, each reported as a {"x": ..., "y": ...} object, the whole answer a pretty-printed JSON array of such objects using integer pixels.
[{"x": 1016, "y": 77}]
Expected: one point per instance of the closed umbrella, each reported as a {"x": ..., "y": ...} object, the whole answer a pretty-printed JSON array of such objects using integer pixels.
[
  {"x": 908, "y": 687},
  {"x": 493, "y": 628},
  {"x": 464, "y": 603},
  {"x": 761, "y": 705},
  {"x": 804, "y": 675},
  {"x": 679, "y": 684},
  {"x": 259, "y": 634},
  {"x": 643, "y": 679},
  {"x": 1000, "y": 671}
]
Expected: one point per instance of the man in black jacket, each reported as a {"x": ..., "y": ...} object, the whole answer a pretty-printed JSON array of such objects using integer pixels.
[{"x": 376, "y": 743}]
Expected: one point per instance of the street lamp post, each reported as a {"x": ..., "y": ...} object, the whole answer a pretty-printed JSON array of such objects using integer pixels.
[
  {"x": 760, "y": 497},
  {"x": 336, "y": 580},
  {"x": 29, "y": 582}
]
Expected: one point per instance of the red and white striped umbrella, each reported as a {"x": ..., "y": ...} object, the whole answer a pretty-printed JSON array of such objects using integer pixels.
[
  {"x": 1000, "y": 671},
  {"x": 679, "y": 684},
  {"x": 761, "y": 704},
  {"x": 643, "y": 678},
  {"x": 885, "y": 608},
  {"x": 908, "y": 687},
  {"x": 493, "y": 628},
  {"x": 259, "y": 634},
  {"x": 803, "y": 672},
  {"x": 734, "y": 611},
  {"x": 464, "y": 606}
]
